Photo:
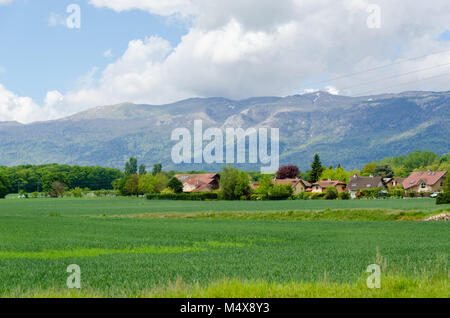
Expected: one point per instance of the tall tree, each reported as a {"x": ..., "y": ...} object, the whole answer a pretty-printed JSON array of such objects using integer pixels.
[
  {"x": 316, "y": 169},
  {"x": 131, "y": 166},
  {"x": 57, "y": 190},
  {"x": 234, "y": 183},
  {"x": 242, "y": 188},
  {"x": 4, "y": 186},
  {"x": 384, "y": 171},
  {"x": 338, "y": 174},
  {"x": 175, "y": 185},
  {"x": 142, "y": 170},
  {"x": 157, "y": 168},
  {"x": 131, "y": 186}
]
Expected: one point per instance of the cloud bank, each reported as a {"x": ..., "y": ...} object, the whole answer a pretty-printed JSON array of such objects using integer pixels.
[{"x": 237, "y": 49}]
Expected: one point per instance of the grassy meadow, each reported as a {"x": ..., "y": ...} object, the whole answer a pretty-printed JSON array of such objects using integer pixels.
[{"x": 140, "y": 248}]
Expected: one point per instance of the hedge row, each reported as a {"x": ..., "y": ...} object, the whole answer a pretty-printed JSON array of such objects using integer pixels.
[{"x": 194, "y": 196}]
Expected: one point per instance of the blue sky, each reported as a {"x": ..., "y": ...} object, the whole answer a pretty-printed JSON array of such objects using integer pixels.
[
  {"x": 164, "y": 51},
  {"x": 39, "y": 58}
]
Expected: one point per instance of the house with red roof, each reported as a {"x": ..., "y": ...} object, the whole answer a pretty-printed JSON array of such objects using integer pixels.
[
  {"x": 199, "y": 182},
  {"x": 298, "y": 185},
  {"x": 322, "y": 186},
  {"x": 429, "y": 181}
]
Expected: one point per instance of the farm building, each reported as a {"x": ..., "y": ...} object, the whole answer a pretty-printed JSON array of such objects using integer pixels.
[{"x": 199, "y": 182}]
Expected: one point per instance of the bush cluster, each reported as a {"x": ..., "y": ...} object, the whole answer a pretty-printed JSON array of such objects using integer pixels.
[{"x": 193, "y": 196}]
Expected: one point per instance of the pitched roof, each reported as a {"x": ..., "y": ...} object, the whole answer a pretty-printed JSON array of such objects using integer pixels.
[
  {"x": 359, "y": 183},
  {"x": 292, "y": 182},
  {"x": 328, "y": 183},
  {"x": 198, "y": 180},
  {"x": 396, "y": 179},
  {"x": 429, "y": 177}
]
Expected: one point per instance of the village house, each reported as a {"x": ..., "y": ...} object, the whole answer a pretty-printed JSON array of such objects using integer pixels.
[
  {"x": 395, "y": 182},
  {"x": 199, "y": 182},
  {"x": 429, "y": 181},
  {"x": 298, "y": 185},
  {"x": 321, "y": 186},
  {"x": 357, "y": 183}
]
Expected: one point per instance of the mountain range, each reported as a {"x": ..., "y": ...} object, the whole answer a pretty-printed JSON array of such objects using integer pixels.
[{"x": 347, "y": 130}]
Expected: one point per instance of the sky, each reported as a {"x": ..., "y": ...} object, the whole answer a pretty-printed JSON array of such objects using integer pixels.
[{"x": 60, "y": 57}]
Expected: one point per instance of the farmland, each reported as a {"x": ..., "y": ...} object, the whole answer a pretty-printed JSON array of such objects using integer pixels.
[{"x": 123, "y": 252}]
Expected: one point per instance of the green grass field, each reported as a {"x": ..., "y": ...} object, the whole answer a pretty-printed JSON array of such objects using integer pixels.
[
  {"x": 115, "y": 206},
  {"x": 139, "y": 248}
]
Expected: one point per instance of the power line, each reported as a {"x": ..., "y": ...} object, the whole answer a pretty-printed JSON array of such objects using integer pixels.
[
  {"x": 406, "y": 83},
  {"x": 378, "y": 67},
  {"x": 395, "y": 76}
]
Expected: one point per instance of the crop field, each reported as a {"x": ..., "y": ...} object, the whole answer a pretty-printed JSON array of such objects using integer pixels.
[
  {"x": 123, "y": 251},
  {"x": 120, "y": 206}
]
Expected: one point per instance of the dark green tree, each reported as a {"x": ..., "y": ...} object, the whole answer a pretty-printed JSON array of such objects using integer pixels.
[
  {"x": 175, "y": 185},
  {"x": 384, "y": 171},
  {"x": 316, "y": 169},
  {"x": 157, "y": 168},
  {"x": 444, "y": 197},
  {"x": 4, "y": 186},
  {"x": 131, "y": 167},
  {"x": 142, "y": 170}
]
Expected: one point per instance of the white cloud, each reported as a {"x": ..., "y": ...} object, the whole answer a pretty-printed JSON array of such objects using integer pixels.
[
  {"x": 16, "y": 108},
  {"x": 165, "y": 8},
  {"x": 108, "y": 54},
  {"x": 5, "y": 2},
  {"x": 238, "y": 49}
]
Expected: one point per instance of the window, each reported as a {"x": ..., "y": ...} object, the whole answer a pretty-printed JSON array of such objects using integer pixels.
[{"x": 423, "y": 185}]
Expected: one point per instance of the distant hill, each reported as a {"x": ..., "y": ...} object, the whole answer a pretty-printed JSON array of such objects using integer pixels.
[{"x": 346, "y": 130}]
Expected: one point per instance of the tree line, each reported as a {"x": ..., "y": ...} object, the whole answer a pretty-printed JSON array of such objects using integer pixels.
[{"x": 55, "y": 179}]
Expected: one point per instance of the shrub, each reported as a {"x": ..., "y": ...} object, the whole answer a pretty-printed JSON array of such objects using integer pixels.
[
  {"x": 98, "y": 193},
  {"x": 318, "y": 196},
  {"x": 194, "y": 196},
  {"x": 168, "y": 191},
  {"x": 344, "y": 195},
  {"x": 302, "y": 196},
  {"x": 258, "y": 197},
  {"x": 332, "y": 193},
  {"x": 35, "y": 195},
  {"x": 77, "y": 192},
  {"x": 443, "y": 198},
  {"x": 396, "y": 193},
  {"x": 281, "y": 192},
  {"x": 412, "y": 194}
]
